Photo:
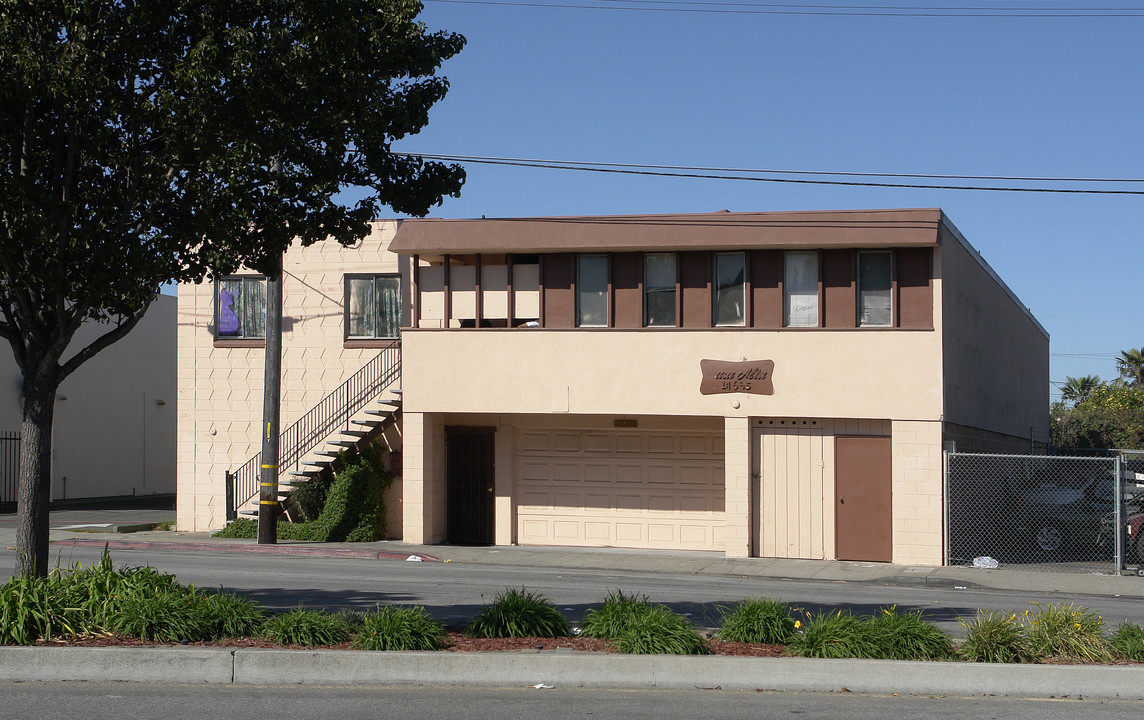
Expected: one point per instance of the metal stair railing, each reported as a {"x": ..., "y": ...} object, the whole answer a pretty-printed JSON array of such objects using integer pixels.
[{"x": 317, "y": 424}]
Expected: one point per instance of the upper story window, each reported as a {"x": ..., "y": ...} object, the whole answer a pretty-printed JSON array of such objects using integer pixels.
[
  {"x": 659, "y": 289},
  {"x": 592, "y": 291},
  {"x": 800, "y": 289},
  {"x": 874, "y": 288},
  {"x": 373, "y": 306},
  {"x": 241, "y": 307},
  {"x": 729, "y": 306}
]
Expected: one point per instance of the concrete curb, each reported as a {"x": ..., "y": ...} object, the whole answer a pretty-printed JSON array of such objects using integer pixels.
[
  {"x": 564, "y": 669},
  {"x": 154, "y": 665},
  {"x": 310, "y": 550}
]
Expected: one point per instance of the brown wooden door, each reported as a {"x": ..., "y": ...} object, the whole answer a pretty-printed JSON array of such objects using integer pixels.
[
  {"x": 469, "y": 469},
  {"x": 862, "y": 502}
]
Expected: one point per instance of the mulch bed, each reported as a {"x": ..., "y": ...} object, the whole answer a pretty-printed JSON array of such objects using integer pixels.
[{"x": 456, "y": 643}]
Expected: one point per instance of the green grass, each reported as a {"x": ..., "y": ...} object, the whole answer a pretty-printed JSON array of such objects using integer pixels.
[
  {"x": 995, "y": 638},
  {"x": 760, "y": 620},
  {"x": 399, "y": 628},
  {"x": 308, "y": 628},
  {"x": 518, "y": 613}
]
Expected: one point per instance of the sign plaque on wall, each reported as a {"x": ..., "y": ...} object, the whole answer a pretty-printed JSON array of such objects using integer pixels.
[{"x": 749, "y": 376}]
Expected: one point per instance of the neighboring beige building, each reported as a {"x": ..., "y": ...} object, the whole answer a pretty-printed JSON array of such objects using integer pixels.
[
  {"x": 760, "y": 384},
  {"x": 114, "y": 429}
]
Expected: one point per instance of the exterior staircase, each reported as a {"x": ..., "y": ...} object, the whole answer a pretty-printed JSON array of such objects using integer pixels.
[{"x": 365, "y": 408}]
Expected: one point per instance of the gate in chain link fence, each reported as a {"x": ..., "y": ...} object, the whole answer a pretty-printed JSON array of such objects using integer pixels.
[{"x": 1046, "y": 512}]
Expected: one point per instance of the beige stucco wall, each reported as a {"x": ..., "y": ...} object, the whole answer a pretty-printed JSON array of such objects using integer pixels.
[
  {"x": 220, "y": 389},
  {"x": 114, "y": 428},
  {"x": 531, "y": 370},
  {"x": 917, "y": 514},
  {"x": 996, "y": 355}
]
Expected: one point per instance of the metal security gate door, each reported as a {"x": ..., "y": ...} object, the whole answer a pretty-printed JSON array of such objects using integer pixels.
[
  {"x": 862, "y": 510},
  {"x": 470, "y": 477}
]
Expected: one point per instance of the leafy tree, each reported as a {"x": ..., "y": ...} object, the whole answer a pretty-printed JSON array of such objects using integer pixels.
[
  {"x": 147, "y": 142},
  {"x": 1111, "y": 416},
  {"x": 1130, "y": 365},
  {"x": 1075, "y": 390}
]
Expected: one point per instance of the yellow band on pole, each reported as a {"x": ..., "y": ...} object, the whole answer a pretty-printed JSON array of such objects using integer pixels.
[
  {"x": 269, "y": 467},
  {"x": 267, "y": 502},
  {"x": 268, "y": 484}
]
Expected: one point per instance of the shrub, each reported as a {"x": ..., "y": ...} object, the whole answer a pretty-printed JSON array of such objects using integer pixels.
[
  {"x": 612, "y": 618},
  {"x": 399, "y": 628},
  {"x": 30, "y": 610},
  {"x": 995, "y": 638},
  {"x": 225, "y": 614},
  {"x": 639, "y": 627},
  {"x": 659, "y": 631},
  {"x": 898, "y": 636},
  {"x": 761, "y": 620},
  {"x": 354, "y": 509},
  {"x": 1128, "y": 642},
  {"x": 305, "y": 627},
  {"x": 518, "y": 613},
  {"x": 1067, "y": 632},
  {"x": 833, "y": 635},
  {"x": 167, "y": 615}
]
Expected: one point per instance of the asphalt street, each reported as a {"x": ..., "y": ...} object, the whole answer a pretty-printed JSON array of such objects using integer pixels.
[
  {"x": 455, "y": 591},
  {"x": 96, "y": 701}
]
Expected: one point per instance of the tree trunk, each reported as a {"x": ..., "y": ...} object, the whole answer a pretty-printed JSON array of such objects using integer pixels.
[{"x": 39, "y": 395}]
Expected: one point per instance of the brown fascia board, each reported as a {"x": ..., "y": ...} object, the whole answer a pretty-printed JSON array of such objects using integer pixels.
[{"x": 720, "y": 230}]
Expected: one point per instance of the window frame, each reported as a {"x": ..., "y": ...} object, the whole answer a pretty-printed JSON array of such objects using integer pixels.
[
  {"x": 858, "y": 304},
  {"x": 242, "y": 339},
  {"x": 673, "y": 288},
  {"x": 716, "y": 289},
  {"x": 606, "y": 292},
  {"x": 817, "y": 293},
  {"x": 347, "y": 279}
]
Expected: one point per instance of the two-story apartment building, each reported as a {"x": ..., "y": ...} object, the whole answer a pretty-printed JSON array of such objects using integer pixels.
[{"x": 761, "y": 384}]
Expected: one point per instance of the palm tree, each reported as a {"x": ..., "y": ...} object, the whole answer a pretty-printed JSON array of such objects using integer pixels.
[
  {"x": 1076, "y": 390},
  {"x": 1130, "y": 365}
]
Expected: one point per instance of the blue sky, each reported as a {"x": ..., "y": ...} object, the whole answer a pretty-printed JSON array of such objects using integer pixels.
[{"x": 937, "y": 95}]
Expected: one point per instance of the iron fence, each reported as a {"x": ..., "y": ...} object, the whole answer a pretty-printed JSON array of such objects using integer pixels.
[
  {"x": 331, "y": 412},
  {"x": 9, "y": 469},
  {"x": 1045, "y": 512}
]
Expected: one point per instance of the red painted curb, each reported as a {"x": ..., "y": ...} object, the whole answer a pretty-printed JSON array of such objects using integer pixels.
[{"x": 237, "y": 547}]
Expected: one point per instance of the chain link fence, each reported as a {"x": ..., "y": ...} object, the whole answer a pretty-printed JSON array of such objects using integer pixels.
[{"x": 1045, "y": 512}]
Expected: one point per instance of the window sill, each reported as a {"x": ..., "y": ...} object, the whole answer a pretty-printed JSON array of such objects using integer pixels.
[
  {"x": 350, "y": 343},
  {"x": 239, "y": 342}
]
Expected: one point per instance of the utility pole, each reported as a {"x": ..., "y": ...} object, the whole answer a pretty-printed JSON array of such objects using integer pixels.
[{"x": 271, "y": 392}]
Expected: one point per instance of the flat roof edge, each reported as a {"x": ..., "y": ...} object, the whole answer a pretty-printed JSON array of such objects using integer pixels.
[{"x": 976, "y": 255}]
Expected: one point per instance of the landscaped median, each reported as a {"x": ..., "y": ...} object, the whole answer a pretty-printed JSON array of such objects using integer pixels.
[
  {"x": 564, "y": 669},
  {"x": 179, "y": 633}
]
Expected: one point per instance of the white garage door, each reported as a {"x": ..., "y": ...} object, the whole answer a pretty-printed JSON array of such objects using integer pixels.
[{"x": 620, "y": 488}]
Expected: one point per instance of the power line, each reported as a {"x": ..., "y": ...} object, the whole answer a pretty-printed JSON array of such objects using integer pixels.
[
  {"x": 685, "y": 6},
  {"x": 707, "y": 173}
]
